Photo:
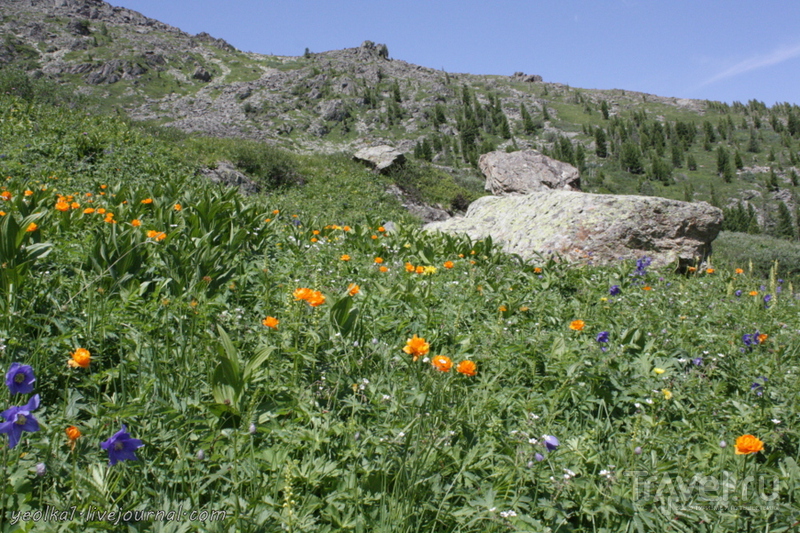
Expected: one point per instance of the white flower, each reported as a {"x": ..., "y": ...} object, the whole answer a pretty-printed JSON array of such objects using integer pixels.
[
  {"x": 506, "y": 514},
  {"x": 533, "y": 441},
  {"x": 534, "y": 416},
  {"x": 776, "y": 421},
  {"x": 386, "y": 397},
  {"x": 401, "y": 434}
]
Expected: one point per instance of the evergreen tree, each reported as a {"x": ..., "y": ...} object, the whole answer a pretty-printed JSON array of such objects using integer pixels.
[
  {"x": 528, "y": 125},
  {"x": 784, "y": 228},
  {"x": 752, "y": 144},
  {"x": 396, "y": 92},
  {"x": 771, "y": 156},
  {"x": 722, "y": 159},
  {"x": 630, "y": 157},
  {"x": 580, "y": 158},
  {"x": 710, "y": 136},
  {"x": 660, "y": 170},
  {"x": 752, "y": 225},
  {"x": 772, "y": 180},
  {"x": 677, "y": 156},
  {"x": 601, "y": 148},
  {"x": 793, "y": 177},
  {"x": 727, "y": 172},
  {"x": 604, "y": 109},
  {"x": 691, "y": 164},
  {"x": 688, "y": 193},
  {"x": 545, "y": 114},
  {"x": 737, "y": 161},
  {"x": 714, "y": 200},
  {"x": 793, "y": 124}
]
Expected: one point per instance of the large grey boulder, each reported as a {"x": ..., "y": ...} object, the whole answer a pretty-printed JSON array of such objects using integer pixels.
[
  {"x": 526, "y": 171},
  {"x": 381, "y": 158},
  {"x": 227, "y": 174},
  {"x": 591, "y": 227}
]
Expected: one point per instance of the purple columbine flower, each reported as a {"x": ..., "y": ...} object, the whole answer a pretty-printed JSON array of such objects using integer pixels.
[
  {"x": 641, "y": 266},
  {"x": 738, "y": 293},
  {"x": 121, "y": 447},
  {"x": 602, "y": 336},
  {"x": 550, "y": 442},
  {"x": 19, "y": 419},
  {"x": 758, "y": 385},
  {"x": 697, "y": 361},
  {"x": 614, "y": 290},
  {"x": 539, "y": 457},
  {"x": 767, "y": 298},
  {"x": 20, "y": 378}
]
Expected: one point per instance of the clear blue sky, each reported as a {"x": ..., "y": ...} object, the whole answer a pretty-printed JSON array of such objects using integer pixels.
[{"x": 710, "y": 49}]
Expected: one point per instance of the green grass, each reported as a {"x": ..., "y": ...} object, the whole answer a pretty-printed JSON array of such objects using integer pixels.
[{"x": 325, "y": 423}]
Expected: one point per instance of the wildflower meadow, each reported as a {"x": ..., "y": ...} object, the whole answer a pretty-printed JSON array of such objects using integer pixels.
[{"x": 178, "y": 357}]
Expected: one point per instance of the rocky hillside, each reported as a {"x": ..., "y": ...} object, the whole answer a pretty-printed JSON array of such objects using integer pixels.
[{"x": 623, "y": 142}]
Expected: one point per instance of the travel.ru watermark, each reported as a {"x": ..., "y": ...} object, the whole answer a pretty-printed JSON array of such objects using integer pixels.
[{"x": 725, "y": 491}]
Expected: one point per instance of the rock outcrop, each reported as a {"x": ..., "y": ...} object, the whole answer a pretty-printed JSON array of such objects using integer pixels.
[
  {"x": 227, "y": 174},
  {"x": 591, "y": 227},
  {"x": 381, "y": 158},
  {"x": 526, "y": 171}
]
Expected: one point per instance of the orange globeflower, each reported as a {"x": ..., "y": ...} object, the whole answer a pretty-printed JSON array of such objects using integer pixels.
[
  {"x": 315, "y": 232},
  {"x": 80, "y": 358},
  {"x": 302, "y": 294},
  {"x": 73, "y": 434},
  {"x": 88, "y": 211},
  {"x": 136, "y": 222},
  {"x": 416, "y": 346},
  {"x": 747, "y": 444},
  {"x": 381, "y": 229},
  {"x": 177, "y": 207},
  {"x": 761, "y": 338},
  {"x": 275, "y": 212},
  {"x": 378, "y": 260},
  {"x": 448, "y": 264},
  {"x": 442, "y": 363},
  {"x": 420, "y": 269},
  {"x": 753, "y": 293},
  {"x": 346, "y": 228},
  {"x": 710, "y": 271},
  {"x": 5, "y": 195},
  {"x": 147, "y": 201},
  {"x": 33, "y": 226},
  {"x": 647, "y": 288},
  {"x": 316, "y": 299},
  {"x": 28, "y": 192},
  {"x": 101, "y": 211},
  {"x": 537, "y": 270},
  {"x": 74, "y": 205},
  {"x": 345, "y": 257},
  {"x": 467, "y": 368},
  {"x": 271, "y": 322},
  {"x": 62, "y": 206},
  {"x": 692, "y": 269},
  {"x": 314, "y": 239},
  {"x": 739, "y": 271},
  {"x": 383, "y": 269},
  {"x": 409, "y": 267},
  {"x": 577, "y": 325},
  {"x": 353, "y": 289}
]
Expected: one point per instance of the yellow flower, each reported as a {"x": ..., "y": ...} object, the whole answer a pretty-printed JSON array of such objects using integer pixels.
[
  {"x": 577, "y": 325},
  {"x": 429, "y": 270},
  {"x": 442, "y": 363},
  {"x": 502, "y": 308},
  {"x": 80, "y": 358},
  {"x": 271, "y": 322},
  {"x": 416, "y": 347},
  {"x": 667, "y": 394},
  {"x": 747, "y": 444},
  {"x": 467, "y": 368},
  {"x": 658, "y": 371}
]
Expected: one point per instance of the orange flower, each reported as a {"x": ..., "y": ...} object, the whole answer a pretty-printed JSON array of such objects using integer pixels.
[
  {"x": 416, "y": 347},
  {"x": 177, "y": 207},
  {"x": 381, "y": 229},
  {"x": 33, "y": 226},
  {"x": 448, "y": 264},
  {"x": 353, "y": 289},
  {"x": 275, "y": 212},
  {"x": 747, "y": 444},
  {"x": 467, "y": 368},
  {"x": 74, "y": 205},
  {"x": 101, "y": 211},
  {"x": 271, "y": 322},
  {"x": 502, "y": 308},
  {"x": 136, "y": 222},
  {"x": 103, "y": 186},
  {"x": 28, "y": 192},
  {"x": 378, "y": 260},
  {"x": 420, "y": 269},
  {"x": 109, "y": 217},
  {"x": 157, "y": 235},
  {"x": 62, "y": 206},
  {"x": 692, "y": 269},
  {"x": 739, "y": 271},
  {"x": 374, "y": 237},
  {"x": 647, "y": 288},
  {"x": 147, "y": 201},
  {"x": 88, "y": 211},
  {"x": 346, "y": 228},
  {"x": 73, "y": 434},
  {"x": 409, "y": 267},
  {"x": 2, "y": 213},
  {"x": 577, "y": 325},
  {"x": 267, "y": 219},
  {"x": 5, "y": 195},
  {"x": 80, "y": 358},
  {"x": 383, "y": 269},
  {"x": 314, "y": 239},
  {"x": 537, "y": 270},
  {"x": 710, "y": 271},
  {"x": 753, "y": 293},
  {"x": 761, "y": 338},
  {"x": 315, "y": 232},
  {"x": 302, "y": 294},
  {"x": 442, "y": 363},
  {"x": 316, "y": 299},
  {"x": 345, "y": 257}
]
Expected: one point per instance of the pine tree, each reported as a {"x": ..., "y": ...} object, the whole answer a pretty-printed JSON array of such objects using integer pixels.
[
  {"x": 784, "y": 228},
  {"x": 793, "y": 177},
  {"x": 396, "y": 92},
  {"x": 772, "y": 180},
  {"x": 604, "y": 109},
  {"x": 714, "y": 200},
  {"x": 630, "y": 157},
  {"x": 688, "y": 193},
  {"x": 752, "y": 144},
  {"x": 722, "y": 159},
  {"x": 527, "y": 121},
  {"x": 677, "y": 156},
  {"x": 545, "y": 113},
  {"x": 601, "y": 148},
  {"x": 737, "y": 161},
  {"x": 691, "y": 164},
  {"x": 752, "y": 221},
  {"x": 727, "y": 172},
  {"x": 660, "y": 170}
]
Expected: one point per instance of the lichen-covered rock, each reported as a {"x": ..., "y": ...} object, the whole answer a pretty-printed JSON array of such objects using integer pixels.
[
  {"x": 526, "y": 171},
  {"x": 227, "y": 174},
  {"x": 591, "y": 227},
  {"x": 381, "y": 158}
]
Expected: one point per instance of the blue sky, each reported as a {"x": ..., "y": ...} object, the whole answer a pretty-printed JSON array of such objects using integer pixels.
[{"x": 723, "y": 50}]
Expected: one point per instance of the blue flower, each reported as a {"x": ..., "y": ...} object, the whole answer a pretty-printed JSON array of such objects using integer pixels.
[
  {"x": 550, "y": 442},
  {"x": 614, "y": 290},
  {"x": 20, "y": 378},
  {"x": 758, "y": 385},
  {"x": 121, "y": 447},
  {"x": 19, "y": 419},
  {"x": 697, "y": 361},
  {"x": 641, "y": 266},
  {"x": 539, "y": 457},
  {"x": 738, "y": 293},
  {"x": 602, "y": 336},
  {"x": 767, "y": 298}
]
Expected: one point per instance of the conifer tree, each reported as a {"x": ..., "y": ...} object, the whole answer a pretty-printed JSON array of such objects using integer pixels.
[
  {"x": 545, "y": 114},
  {"x": 691, "y": 164},
  {"x": 604, "y": 109},
  {"x": 601, "y": 148},
  {"x": 722, "y": 159},
  {"x": 784, "y": 228},
  {"x": 630, "y": 157},
  {"x": 714, "y": 200},
  {"x": 752, "y": 144},
  {"x": 737, "y": 161},
  {"x": 677, "y": 156}
]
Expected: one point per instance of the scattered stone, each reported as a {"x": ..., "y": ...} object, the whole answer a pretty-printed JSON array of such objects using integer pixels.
[
  {"x": 528, "y": 78},
  {"x": 202, "y": 74},
  {"x": 227, "y": 174},
  {"x": 382, "y": 158},
  {"x": 428, "y": 213},
  {"x": 592, "y": 227},
  {"x": 526, "y": 171}
]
